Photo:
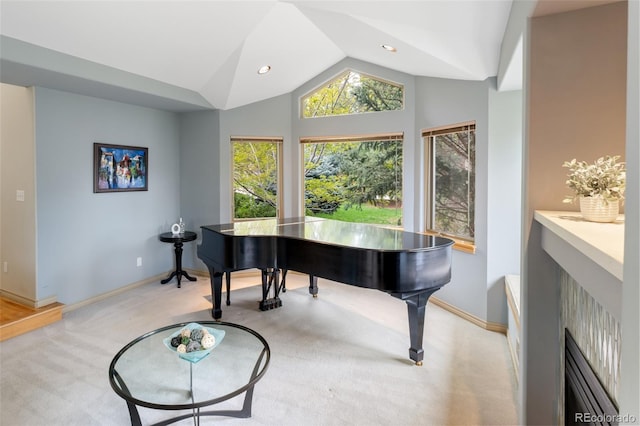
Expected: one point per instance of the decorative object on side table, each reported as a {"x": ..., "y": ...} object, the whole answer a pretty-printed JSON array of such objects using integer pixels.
[
  {"x": 599, "y": 187},
  {"x": 178, "y": 228}
]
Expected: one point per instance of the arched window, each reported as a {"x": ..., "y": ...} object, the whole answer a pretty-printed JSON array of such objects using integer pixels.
[{"x": 353, "y": 93}]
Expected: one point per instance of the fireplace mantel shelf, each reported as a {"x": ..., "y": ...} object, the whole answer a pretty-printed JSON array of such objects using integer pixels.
[
  {"x": 592, "y": 253},
  {"x": 603, "y": 243}
]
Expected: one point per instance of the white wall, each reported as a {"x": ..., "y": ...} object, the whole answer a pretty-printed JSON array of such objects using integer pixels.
[
  {"x": 575, "y": 74},
  {"x": 629, "y": 366},
  {"x": 17, "y": 172}
]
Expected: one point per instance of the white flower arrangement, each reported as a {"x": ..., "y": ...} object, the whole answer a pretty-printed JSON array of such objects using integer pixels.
[{"x": 605, "y": 178}]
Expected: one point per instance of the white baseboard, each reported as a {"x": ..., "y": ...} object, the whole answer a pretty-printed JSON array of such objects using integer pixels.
[
  {"x": 514, "y": 354},
  {"x": 491, "y": 326},
  {"x": 103, "y": 296},
  {"x": 25, "y": 301}
]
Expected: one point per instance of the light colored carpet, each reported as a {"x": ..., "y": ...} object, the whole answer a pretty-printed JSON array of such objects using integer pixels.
[{"x": 340, "y": 359}]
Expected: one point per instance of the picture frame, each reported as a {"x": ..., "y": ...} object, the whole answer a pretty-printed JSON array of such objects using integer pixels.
[{"x": 120, "y": 168}]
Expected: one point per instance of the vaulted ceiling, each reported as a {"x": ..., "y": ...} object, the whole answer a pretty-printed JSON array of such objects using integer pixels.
[{"x": 206, "y": 54}]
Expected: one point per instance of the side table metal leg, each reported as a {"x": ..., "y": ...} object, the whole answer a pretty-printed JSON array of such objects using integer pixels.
[
  {"x": 133, "y": 411},
  {"x": 134, "y": 415},
  {"x": 196, "y": 411}
]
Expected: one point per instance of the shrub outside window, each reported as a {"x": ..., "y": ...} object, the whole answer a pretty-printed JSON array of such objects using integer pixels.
[{"x": 354, "y": 178}]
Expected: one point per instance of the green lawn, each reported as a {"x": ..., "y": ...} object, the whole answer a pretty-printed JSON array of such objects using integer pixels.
[{"x": 366, "y": 214}]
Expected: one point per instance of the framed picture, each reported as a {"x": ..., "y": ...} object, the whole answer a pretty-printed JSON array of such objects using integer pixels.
[{"x": 119, "y": 168}]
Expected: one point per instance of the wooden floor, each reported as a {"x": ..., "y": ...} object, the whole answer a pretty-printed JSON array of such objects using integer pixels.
[{"x": 16, "y": 319}]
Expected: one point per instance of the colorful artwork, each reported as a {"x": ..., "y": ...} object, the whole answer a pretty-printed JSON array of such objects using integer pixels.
[{"x": 119, "y": 168}]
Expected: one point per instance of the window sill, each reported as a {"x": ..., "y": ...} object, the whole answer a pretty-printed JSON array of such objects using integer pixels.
[
  {"x": 458, "y": 244},
  {"x": 464, "y": 246}
]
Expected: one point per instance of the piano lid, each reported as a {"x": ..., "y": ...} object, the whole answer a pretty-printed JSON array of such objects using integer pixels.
[{"x": 347, "y": 234}]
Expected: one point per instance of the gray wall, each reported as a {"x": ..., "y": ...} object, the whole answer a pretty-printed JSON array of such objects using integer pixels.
[
  {"x": 442, "y": 102},
  {"x": 363, "y": 124},
  {"x": 199, "y": 176},
  {"x": 428, "y": 102},
  {"x": 504, "y": 197},
  {"x": 477, "y": 285},
  {"x": 87, "y": 243},
  {"x": 266, "y": 118},
  {"x": 190, "y": 176}
]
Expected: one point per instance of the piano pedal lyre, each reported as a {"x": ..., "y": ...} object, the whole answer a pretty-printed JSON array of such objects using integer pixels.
[{"x": 270, "y": 280}]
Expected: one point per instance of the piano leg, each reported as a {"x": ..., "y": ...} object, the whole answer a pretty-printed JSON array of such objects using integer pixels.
[
  {"x": 216, "y": 293},
  {"x": 313, "y": 285},
  {"x": 416, "y": 305}
]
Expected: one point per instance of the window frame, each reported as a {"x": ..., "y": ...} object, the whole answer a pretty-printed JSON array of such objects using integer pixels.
[
  {"x": 279, "y": 174},
  {"x": 346, "y": 72},
  {"x": 382, "y": 136},
  {"x": 460, "y": 243}
]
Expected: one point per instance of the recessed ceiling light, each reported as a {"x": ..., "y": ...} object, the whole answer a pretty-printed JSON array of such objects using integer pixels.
[
  {"x": 264, "y": 69},
  {"x": 389, "y": 48}
]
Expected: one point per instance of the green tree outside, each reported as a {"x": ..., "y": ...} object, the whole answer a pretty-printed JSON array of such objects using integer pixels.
[
  {"x": 255, "y": 179},
  {"x": 341, "y": 176}
]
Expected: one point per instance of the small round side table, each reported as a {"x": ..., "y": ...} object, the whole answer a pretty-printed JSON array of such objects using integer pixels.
[{"x": 178, "y": 240}]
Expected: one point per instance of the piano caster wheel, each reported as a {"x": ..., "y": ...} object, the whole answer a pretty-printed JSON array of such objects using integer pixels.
[
  {"x": 418, "y": 363},
  {"x": 315, "y": 296}
]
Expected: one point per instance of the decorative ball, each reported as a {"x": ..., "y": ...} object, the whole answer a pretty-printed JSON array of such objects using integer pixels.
[
  {"x": 193, "y": 346},
  {"x": 181, "y": 349},
  {"x": 208, "y": 341},
  {"x": 196, "y": 334}
]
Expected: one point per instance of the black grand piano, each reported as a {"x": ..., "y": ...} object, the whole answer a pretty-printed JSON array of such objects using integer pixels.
[{"x": 406, "y": 265}]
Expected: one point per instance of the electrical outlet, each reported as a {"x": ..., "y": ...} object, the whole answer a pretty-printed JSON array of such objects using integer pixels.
[
  {"x": 19, "y": 195},
  {"x": 5, "y": 266},
  {"x": 139, "y": 262}
]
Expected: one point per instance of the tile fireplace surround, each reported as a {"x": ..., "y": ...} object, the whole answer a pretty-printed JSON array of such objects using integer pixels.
[{"x": 590, "y": 257}]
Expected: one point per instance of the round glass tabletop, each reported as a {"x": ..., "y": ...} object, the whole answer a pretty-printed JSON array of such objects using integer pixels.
[{"x": 149, "y": 372}]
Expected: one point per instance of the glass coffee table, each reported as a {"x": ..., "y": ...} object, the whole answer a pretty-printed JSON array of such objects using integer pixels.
[{"x": 148, "y": 372}]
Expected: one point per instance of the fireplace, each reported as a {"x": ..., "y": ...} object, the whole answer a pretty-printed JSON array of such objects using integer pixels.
[{"x": 586, "y": 400}]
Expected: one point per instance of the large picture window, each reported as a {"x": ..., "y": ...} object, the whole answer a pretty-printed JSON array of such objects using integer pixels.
[
  {"x": 450, "y": 172},
  {"x": 256, "y": 177},
  {"x": 354, "y": 179}
]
